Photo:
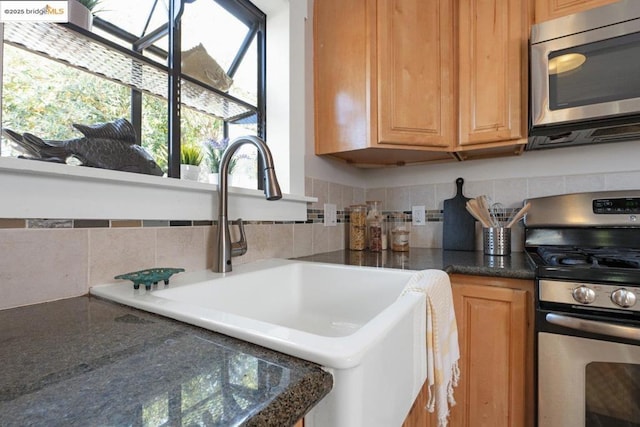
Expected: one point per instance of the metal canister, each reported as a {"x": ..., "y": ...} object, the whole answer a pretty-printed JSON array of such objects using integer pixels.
[{"x": 497, "y": 240}]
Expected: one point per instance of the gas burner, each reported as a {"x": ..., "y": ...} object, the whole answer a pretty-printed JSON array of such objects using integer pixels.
[
  {"x": 561, "y": 256},
  {"x": 617, "y": 257},
  {"x": 590, "y": 257},
  {"x": 558, "y": 255}
]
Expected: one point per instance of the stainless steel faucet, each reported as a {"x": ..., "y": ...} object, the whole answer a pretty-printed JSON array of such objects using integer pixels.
[{"x": 224, "y": 249}]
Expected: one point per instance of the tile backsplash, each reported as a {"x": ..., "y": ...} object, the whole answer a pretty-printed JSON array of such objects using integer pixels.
[{"x": 44, "y": 260}]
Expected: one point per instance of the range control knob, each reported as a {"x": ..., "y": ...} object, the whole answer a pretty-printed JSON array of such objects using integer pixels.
[
  {"x": 584, "y": 295},
  {"x": 623, "y": 298}
]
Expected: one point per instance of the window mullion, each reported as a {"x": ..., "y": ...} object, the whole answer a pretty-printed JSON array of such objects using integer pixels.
[
  {"x": 242, "y": 51},
  {"x": 174, "y": 107}
]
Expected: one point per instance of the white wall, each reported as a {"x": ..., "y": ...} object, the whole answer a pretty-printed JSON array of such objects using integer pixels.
[
  {"x": 289, "y": 101},
  {"x": 598, "y": 159}
]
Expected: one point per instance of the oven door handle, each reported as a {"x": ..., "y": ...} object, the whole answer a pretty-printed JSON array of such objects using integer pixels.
[{"x": 593, "y": 326}]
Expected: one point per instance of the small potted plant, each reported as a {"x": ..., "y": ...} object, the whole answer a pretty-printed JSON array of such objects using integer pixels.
[
  {"x": 190, "y": 159},
  {"x": 81, "y": 12},
  {"x": 214, "y": 150}
]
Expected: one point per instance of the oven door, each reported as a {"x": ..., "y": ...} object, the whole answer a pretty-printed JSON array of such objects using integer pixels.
[
  {"x": 586, "y": 76},
  {"x": 588, "y": 373}
]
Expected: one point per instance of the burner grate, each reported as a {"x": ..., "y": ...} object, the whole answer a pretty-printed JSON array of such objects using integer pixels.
[{"x": 590, "y": 257}]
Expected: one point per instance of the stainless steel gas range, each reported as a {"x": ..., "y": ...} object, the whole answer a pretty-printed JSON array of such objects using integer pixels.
[{"x": 586, "y": 251}]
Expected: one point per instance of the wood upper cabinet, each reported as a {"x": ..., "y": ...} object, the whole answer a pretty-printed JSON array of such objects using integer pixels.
[
  {"x": 550, "y": 9},
  {"x": 384, "y": 80},
  {"x": 495, "y": 333},
  {"x": 415, "y": 72},
  {"x": 492, "y": 71},
  {"x": 409, "y": 81}
]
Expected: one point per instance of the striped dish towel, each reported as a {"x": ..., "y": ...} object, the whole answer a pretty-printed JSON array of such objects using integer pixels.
[{"x": 441, "y": 351}]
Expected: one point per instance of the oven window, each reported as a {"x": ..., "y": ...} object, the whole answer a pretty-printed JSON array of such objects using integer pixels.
[
  {"x": 594, "y": 73},
  {"x": 612, "y": 395}
]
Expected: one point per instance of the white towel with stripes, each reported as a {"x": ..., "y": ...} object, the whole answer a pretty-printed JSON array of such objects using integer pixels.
[{"x": 441, "y": 350}]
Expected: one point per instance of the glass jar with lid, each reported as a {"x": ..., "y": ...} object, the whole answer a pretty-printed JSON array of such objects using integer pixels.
[
  {"x": 375, "y": 231},
  {"x": 357, "y": 227},
  {"x": 399, "y": 232},
  {"x": 376, "y": 240},
  {"x": 374, "y": 209}
]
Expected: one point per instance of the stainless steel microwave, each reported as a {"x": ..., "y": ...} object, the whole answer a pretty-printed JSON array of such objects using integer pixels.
[{"x": 585, "y": 77}]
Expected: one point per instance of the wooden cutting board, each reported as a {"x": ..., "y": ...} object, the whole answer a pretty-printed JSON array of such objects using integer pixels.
[{"x": 459, "y": 229}]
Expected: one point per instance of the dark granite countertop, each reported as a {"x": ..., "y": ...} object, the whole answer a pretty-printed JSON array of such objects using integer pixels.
[
  {"x": 86, "y": 361},
  {"x": 476, "y": 263}
]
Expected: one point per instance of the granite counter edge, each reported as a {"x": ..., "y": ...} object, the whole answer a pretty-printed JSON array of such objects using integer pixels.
[{"x": 490, "y": 272}]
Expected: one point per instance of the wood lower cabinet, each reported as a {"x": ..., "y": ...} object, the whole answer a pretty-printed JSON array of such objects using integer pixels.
[
  {"x": 550, "y": 9},
  {"x": 494, "y": 318}
]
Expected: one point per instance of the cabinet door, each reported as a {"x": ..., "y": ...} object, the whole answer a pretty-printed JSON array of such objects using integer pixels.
[
  {"x": 415, "y": 72},
  {"x": 495, "y": 334},
  {"x": 492, "y": 327},
  {"x": 341, "y": 64},
  {"x": 492, "y": 80},
  {"x": 550, "y": 9}
]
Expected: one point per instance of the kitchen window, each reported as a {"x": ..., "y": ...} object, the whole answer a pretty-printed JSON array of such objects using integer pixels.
[
  {"x": 44, "y": 190},
  {"x": 44, "y": 97}
]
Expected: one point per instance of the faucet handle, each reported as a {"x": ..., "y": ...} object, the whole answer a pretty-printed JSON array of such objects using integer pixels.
[{"x": 240, "y": 247}]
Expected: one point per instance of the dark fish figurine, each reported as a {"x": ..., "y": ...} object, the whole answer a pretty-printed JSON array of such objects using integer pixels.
[{"x": 104, "y": 145}]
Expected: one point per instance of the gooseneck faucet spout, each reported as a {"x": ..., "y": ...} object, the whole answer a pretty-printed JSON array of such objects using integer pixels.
[{"x": 224, "y": 249}]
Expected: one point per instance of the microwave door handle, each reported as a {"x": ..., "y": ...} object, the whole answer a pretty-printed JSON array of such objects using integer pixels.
[
  {"x": 539, "y": 102},
  {"x": 593, "y": 326}
]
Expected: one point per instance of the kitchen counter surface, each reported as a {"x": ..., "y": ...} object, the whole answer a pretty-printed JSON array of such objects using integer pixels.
[
  {"x": 514, "y": 266},
  {"x": 86, "y": 361}
]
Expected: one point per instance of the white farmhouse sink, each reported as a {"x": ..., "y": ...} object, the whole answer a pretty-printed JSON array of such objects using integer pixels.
[{"x": 351, "y": 320}]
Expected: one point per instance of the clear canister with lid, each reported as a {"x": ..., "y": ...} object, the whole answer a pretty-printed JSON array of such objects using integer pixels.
[
  {"x": 399, "y": 232},
  {"x": 357, "y": 227},
  {"x": 374, "y": 209},
  {"x": 375, "y": 231},
  {"x": 375, "y": 226}
]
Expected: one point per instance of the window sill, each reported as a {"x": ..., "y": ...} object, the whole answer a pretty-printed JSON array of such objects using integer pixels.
[{"x": 32, "y": 189}]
